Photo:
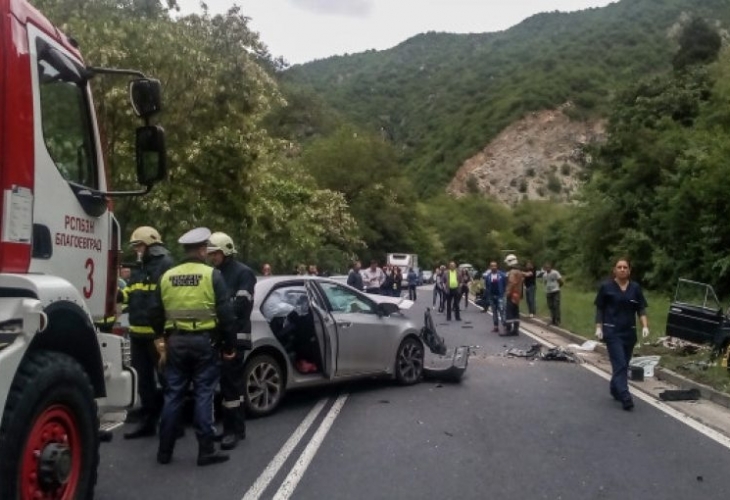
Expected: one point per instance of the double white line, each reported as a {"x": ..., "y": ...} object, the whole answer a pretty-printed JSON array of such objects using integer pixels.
[{"x": 297, "y": 472}]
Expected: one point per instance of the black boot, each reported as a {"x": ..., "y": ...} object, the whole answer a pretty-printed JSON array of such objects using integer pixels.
[
  {"x": 208, "y": 455},
  {"x": 164, "y": 453},
  {"x": 234, "y": 427}
]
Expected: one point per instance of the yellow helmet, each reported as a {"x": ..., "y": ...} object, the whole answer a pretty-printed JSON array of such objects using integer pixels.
[
  {"x": 223, "y": 242},
  {"x": 145, "y": 234}
]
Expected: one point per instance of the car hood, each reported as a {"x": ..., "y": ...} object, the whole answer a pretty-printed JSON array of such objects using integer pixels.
[{"x": 401, "y": 302}]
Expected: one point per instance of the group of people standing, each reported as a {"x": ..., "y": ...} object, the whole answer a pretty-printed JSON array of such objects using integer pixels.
[
  {"x": 189, "y": 325},
  {"x": 450, "y": 285},
  {"x": 386, "y": 280},
  {"x": 503, "y": 292}
]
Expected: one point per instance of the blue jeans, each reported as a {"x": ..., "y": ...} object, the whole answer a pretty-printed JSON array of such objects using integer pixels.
[
  {"x": 497, "y": 304},
  {"x": 620, "y": 349},
  {"x": 191, "y": 358}
]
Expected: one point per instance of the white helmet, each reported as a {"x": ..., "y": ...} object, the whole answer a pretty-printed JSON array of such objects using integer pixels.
[
  {"x": 221, "y": 242},
  {"x": 145, "y": 234},
  {"x": 511, "y": 260}
]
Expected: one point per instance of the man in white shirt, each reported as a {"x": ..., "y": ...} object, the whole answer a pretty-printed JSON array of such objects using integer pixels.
[
  {"x": 373, "y": 277},
  {"x": 553, "y": 281}
]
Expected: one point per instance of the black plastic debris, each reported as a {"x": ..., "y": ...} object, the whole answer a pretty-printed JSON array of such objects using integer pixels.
[
  {"x": 531, "y": 353},
  {"x": 680, "y": 395},
  {"x": 559, "y": 354}
]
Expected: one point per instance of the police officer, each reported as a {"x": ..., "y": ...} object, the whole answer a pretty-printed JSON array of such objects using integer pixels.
[
  {"x": 241, "y": 281},
  {"x": 153, "y": 259},
  {"x": 193, "y": 313}
]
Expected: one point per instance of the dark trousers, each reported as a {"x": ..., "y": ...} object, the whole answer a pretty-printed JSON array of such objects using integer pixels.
[
  {"x": 412, "y": 292},
  {"x": 232, "y": 387},
  {"x": 512, "y": 318},
  {"x": 553, "y": 300},
  {"x": 438, "y": 297},
  {"x": 144, "y": 362},
  {"x": 191, "y": 358},
  {"x": 530, "y": 298},
  {"x": 620, "y": 348},
  {"x": 465, "y": 294},
  {"x": 453, "y": 297}
]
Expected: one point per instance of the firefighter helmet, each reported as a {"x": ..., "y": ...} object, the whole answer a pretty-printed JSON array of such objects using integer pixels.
[
  {"x": 223, "y": 242},
  {"x": 511, "y": 260},
  {"x": 145, "y": 234}
]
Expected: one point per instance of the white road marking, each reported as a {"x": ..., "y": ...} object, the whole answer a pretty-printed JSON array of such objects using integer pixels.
[
  {"x": 297, "y": 472},
  {"x": 262, "y": 482},
  {"x": 648, "y": 398}
]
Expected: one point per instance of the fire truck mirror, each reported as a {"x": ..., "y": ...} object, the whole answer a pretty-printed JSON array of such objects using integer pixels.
[
  {"x": 151, "y": 157},
  {"x": 145, "y": 94}
]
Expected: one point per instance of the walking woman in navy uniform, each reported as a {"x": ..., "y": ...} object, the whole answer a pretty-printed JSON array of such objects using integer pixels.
[{"x": 618, "y": 303}]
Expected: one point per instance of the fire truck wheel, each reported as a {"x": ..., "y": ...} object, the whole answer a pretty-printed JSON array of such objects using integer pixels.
[{"x": 49, "y": 433}]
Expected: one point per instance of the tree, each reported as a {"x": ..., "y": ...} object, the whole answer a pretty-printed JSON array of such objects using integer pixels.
[{"x": 699, "y": 43}]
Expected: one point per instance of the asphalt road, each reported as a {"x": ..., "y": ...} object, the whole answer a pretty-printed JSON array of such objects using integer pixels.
[{"x": 511, "y": 429}]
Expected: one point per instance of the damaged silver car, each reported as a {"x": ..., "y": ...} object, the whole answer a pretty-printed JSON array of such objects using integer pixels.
[{"x": 309, "y": 331}]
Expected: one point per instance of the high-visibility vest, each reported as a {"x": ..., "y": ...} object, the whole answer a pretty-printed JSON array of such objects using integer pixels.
[
  {"x": 453, "y": 279},
  {"x": 188, "y": 297}
]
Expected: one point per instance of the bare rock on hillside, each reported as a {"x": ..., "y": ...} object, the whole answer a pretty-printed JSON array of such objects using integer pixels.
[{"x": 538, "y": 157}]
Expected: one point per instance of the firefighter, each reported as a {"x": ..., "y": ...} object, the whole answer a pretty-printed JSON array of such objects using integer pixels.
[
  {"x": 194, "y": 316},
  {"x": 153, "y": 259},
  {"x": 241, "y": 281}
]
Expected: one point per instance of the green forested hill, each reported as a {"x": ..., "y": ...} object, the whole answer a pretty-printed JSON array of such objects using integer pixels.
[{"x": 442, "y": 97}]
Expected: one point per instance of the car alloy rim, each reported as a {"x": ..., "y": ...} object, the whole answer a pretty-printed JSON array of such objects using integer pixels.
[
  {"x": 410, "y": 361},
  {"x": 264, "y": 386},
  {"x": 51, "y": 462}
]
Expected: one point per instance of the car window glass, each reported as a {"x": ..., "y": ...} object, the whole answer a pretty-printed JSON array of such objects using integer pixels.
[
  {"x": 696, "y": 294},
  {"x": 344, "y": 300},
  {"x": 285, "y": 299},
  {"x": 65, "y": 118}
]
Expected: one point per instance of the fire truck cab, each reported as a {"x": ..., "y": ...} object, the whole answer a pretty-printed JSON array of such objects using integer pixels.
[{"x": 59, "y": 249}]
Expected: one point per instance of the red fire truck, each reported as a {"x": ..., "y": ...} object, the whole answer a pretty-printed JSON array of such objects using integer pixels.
[{"x": 59, "y": 248}]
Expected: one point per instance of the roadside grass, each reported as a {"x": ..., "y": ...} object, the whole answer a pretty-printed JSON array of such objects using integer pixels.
[{"x": 578, "y": 316}]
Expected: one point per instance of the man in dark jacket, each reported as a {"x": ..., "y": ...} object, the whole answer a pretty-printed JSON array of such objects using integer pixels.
[
  {"x": 354, "y": 278},
  {"x": 153, "y": 259},
  {"x": 241, "y": 282}
]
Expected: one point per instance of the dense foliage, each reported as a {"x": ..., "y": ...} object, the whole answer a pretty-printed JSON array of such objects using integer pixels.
[
  {"x": 351, "y": 163},
  {"x": 441, "y": 97}
]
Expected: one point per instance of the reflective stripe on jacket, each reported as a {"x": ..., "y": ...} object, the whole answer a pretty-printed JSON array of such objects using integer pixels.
[{"x": 188, "y": 297}]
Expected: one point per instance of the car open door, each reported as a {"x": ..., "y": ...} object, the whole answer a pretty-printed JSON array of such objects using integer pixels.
[
  {"x": 325, "y": 330},
  {"x": 695, "y": 313}
]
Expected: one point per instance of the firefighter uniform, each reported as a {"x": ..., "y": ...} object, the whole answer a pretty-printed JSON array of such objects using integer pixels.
[
  {"x": 153, "y": 261},
  {"x": 193, "y": 313},
  {"x": 240, "y": 281}
]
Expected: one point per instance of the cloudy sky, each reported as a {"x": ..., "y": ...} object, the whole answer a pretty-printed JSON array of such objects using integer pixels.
[{"x": 304, "y": 30}]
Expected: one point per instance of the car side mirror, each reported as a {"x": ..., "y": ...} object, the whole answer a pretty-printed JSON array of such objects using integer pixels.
[
  {"x": 387, "y": 309},
  {"x": 146, "y": 97},
  {"x": 151, "y": 155}
]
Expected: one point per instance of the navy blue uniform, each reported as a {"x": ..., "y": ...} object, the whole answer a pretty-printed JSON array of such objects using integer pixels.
[
  {"x": 240, "y": 282},
  {"x": 193, "y": 356},
  {"x": 616, "y": 312}
]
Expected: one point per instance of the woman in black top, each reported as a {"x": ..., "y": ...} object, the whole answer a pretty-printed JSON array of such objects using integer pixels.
[{"x": 618, "y": 302}]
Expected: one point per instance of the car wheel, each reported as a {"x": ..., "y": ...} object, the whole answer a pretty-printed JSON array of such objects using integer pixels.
[
  {"x": 409, "y": 362},
  {"x": 49, "y": 434},
  {"x": 265, "y": 385}
]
